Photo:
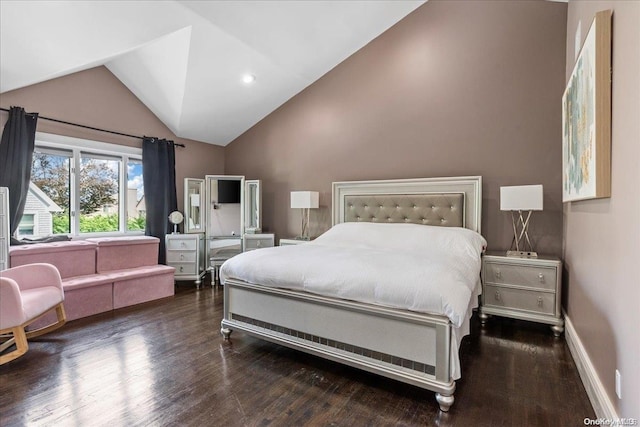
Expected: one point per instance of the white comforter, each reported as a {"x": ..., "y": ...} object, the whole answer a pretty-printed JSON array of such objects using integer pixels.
[{"x": 416, "y": 267}]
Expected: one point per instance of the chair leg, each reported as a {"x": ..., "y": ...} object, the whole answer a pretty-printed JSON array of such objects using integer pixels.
[
  {"x": 19, "y": 336},
  {"x": 20, "y": 340},
  {"x": 9, "y": 340},
  {"x": 62, "y": 319}
]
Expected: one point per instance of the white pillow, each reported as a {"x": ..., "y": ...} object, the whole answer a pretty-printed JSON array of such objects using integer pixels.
[{"x": 413, "y": 238}]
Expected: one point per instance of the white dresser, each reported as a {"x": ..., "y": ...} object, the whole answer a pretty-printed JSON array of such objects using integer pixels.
[
  {"x": 185, "y": 252},
  {"x": 258, "y": 241},
  {"x": 522, "y": 288},
  {"x": 4, "y": 228}
]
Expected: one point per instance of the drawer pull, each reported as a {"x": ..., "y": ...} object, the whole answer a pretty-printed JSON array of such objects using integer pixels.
[
  {"x": 497, "y": 296},
  {"x": 181, "y": 256},
  {"x": 183, "y": 244},
  {"x": 181, "y": 269},
  {"x": 498, "y": 274},
  {"x": 539, "y": 301},
  {"x": 541, "y": 277}
]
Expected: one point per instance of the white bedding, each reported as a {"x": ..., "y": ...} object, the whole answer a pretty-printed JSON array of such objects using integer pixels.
[{"x": 415, "y": 267}]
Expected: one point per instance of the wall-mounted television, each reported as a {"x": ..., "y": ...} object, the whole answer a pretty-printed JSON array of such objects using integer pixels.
[{"x": 228, "y": 191}]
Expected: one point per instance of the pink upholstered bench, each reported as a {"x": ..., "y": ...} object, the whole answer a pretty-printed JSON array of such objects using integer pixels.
[
  {"x": 141, "y": 284},
  {"x": 101, "y": 274},
  {"x": 132, "y": 263},
  {"x": 120, "y": 253},
  {"x": 71, "y": 258},
  {"x": 87, "y": 295}
]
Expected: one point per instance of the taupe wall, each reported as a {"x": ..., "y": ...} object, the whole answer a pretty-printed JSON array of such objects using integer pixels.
[
  {"x": 602, "y": 237},
  {"x": 97, "y": 98},
  {"x": 456, "y": 88}
]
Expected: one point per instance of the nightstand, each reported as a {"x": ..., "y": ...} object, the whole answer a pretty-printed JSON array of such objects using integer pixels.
[
  {"x": 185, "y": 252},
  {"x": 522, "y": 288},
  {"x": 287, "y": 242},
  {"x": 258, "y": 241}
]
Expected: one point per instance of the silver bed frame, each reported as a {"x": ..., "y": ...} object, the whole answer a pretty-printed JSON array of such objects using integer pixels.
[{"x": 411, "y": 347}]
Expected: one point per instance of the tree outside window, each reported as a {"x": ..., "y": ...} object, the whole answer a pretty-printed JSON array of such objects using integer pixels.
[
  {"x": 51, "y": 173},
  {"x": 99, "y": 196}
]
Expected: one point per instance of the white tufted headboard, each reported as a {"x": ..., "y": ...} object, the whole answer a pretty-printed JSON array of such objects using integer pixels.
[
  {"x": 445, "y": 210},
  {"x": 453, "y": 202}
]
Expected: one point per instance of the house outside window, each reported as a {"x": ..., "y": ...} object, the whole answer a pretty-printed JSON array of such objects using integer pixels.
[
  {"x": 51, "y": 186},
  {"x": 82, "y": 188}
]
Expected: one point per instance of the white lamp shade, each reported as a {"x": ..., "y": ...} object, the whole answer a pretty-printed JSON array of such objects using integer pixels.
[
  {"x": 521, "y": 198},
  {"x": 305, "y": 199}
]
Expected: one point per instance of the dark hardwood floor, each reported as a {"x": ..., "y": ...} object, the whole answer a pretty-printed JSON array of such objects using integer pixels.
[{"x": 164, "y": 363}]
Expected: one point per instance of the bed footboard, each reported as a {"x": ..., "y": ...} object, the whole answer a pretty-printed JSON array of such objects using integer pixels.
[{"x": 410, "y": 347}]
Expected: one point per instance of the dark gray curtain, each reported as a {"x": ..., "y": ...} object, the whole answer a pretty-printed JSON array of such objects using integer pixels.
[
  {"x": 159, "y": 176},
  {"x": 16, "y": 152}
]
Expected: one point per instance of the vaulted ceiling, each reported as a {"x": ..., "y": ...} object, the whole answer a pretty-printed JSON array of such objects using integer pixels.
[{"x": 185, "y": 60}]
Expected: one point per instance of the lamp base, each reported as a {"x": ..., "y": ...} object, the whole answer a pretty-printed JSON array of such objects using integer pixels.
[{"x": 522, "y": 254}]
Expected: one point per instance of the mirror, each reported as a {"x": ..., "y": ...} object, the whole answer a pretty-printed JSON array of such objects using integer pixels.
[
  {"x": 175, "y": 218},
  {"x": 253, "y": 207},
  {"x": 193, "y": 205},
  {"x": 225, "y": 206},
  {"x": 224, "y": 217}
]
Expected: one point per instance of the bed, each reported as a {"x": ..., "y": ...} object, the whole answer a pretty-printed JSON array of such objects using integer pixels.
[{"x": 267, "y": 294}]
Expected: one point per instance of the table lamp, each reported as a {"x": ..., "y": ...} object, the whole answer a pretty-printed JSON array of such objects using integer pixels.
[
  {"x": 521, "y": 198},
  {"x": 304, "y": 200}
]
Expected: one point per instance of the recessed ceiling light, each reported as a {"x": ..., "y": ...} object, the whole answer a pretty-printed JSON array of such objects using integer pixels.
[{"x": 248, "y": 79}]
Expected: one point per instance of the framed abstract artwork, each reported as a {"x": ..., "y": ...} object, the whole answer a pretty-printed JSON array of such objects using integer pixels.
[{"x": 586, "y": 117}]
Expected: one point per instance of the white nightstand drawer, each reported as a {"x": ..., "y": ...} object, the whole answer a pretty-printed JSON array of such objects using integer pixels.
[
  {"x": 184, "y": 268},
  {"x": 182, "y": 244},
  {"x": 181, "y": 256},
  {"x": 519, "y": 299},
  {"x": 519, "y": 275},
  {"x": 285, "y": 242},
  {"x": 257, "y": 244},
  {"x": 258, "y": 241}
]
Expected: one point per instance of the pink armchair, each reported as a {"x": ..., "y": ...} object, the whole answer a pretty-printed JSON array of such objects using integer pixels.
[{"x": 27, "y": 293}]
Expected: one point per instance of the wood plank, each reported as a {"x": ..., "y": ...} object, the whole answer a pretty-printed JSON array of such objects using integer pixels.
[{"x": 164, "y": 363}]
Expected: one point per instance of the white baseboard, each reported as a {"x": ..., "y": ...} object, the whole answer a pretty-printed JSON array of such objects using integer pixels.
[{"x": 598, "y": 396}]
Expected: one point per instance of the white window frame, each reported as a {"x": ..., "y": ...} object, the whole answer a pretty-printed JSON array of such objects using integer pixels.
[{"x": 87, "y": 146}]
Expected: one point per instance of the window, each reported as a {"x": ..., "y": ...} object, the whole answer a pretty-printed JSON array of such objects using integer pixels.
[
  {"x": 136, "y": 209},
  {"x": 99, "y": 193},
  {"x": 51, "y": 173},
  {"x": 28, "y": 226},
  {"x": 85, "y": 187}
]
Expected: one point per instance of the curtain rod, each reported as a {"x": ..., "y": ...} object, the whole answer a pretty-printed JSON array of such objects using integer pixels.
[{"x": 89, "y": 127}]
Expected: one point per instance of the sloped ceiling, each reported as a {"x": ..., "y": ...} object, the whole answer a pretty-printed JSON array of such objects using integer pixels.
[{"x": 185, "y": 59}]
